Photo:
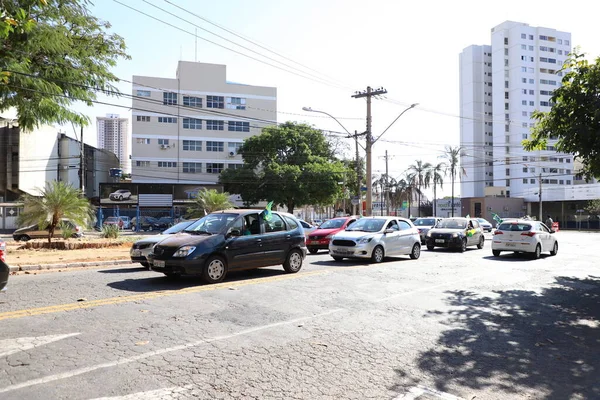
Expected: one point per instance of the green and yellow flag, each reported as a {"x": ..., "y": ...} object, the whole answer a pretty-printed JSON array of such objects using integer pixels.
[{"x": 266, "y": 214}]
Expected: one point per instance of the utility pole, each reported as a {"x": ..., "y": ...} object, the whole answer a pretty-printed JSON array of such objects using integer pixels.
[
  {"x": 369, "y": 145},
  {"x": 387, "y": 186},
  {"x": 540, "y": 198},
  {"x": 358, "y": 207},
  {"x": 81, "y": 165}
]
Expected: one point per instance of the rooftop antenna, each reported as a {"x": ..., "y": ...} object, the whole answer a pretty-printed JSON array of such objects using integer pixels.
[{"x": 196, "y": 45}]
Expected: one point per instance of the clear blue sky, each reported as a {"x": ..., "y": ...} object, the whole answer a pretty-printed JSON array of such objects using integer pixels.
[{"x": 409, "y": 48}]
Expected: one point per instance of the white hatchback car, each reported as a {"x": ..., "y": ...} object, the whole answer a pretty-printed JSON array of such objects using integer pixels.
[
  {"x": 376, "y": 238},
  {"x": 524, "y": 236}
]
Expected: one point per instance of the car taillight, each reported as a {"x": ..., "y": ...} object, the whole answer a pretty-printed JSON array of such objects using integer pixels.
[
  {"x": 530, "y": 234},
  {"x": 2, "y": 251},
  {"x": 498, "y": 233}
]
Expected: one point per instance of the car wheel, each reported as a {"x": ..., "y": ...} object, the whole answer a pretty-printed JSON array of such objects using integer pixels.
[
  {"x": 538, "y": 251},
  {"x": 313, "y": 251},
  {"x": 463, "y": 245},
  {"x": 336, "y": 258},
  {"x": 481, "y": 242},
  {"x": 430, "y": 248},
  {"x": 215, "y": 270},
  {"x": 554, "y": 249},
  {"x": 145, "y": 264},
  {"x": 496, "y": 253},
  {"x": 24, "y": 238},
  {"x": 293, "y": 263},
  {"x": 378, "y": 255},
  {"x": 416, "y": 251}
]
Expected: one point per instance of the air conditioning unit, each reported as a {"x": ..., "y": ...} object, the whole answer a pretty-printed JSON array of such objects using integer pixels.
[
  {"x": 489, "y": 208},
  {"x": 232, "y": 154},
  {"x": 505, "y": 208},
  {"x": 164, "y": 146}
]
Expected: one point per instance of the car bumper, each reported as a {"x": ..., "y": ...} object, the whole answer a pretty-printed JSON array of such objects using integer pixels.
[
  {"x": 319, "y": 244},
  {"x": 359, "y": 251},
  {"x": 454, "y": 242},
  {"x": 140, "y": 255},
  {"x": 514, "y": 246},
  {"x": 177, "y": 266},
  {"x": 4, "y": 272}
]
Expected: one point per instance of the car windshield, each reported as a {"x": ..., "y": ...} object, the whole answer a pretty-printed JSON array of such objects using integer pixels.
[
  {"x": 452, "y": 224},
  {"x": 212, "y": 223},
  {"x": 515, "y": 226},
  {"x": 483, "y": 221},
  {"x": 332, "y": 224},
  {"x": 178, "y": 227},
  {"x": 367, "y": 225},
  {"x": 424, "y": 222}
]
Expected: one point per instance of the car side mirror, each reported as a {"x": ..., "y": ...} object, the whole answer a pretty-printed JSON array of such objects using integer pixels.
[
  {"x": 388, "y": 230},
  {"x": 234, "y": 232},
  {"x": 552, "y": 231}
]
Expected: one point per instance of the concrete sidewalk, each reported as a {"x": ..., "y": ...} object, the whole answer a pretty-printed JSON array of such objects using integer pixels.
[{"x": 80, "y": 264}]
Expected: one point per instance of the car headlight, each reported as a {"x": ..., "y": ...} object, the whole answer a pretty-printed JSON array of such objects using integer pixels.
[
  {"x": 184, "y": 251},
  {"x": 455, "y": 234},
  {"x": 364, "y": 240},
  {"x": 329, "y": 236},
  {"x": 428, "y": 234}
]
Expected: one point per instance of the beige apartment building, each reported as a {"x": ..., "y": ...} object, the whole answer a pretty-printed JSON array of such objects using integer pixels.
[
  {"x": 188, "y": 129},
  {"x": 113, "y": 135}
]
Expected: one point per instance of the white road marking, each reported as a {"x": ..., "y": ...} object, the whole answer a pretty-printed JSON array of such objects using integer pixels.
[
  {"x": 417, "y": 391},
  {"x": 159, "y": 394},
  {"x": 80, "y": 371},
  {"x": 426, "y": 288},
  {"x": 12, "y": 346}
]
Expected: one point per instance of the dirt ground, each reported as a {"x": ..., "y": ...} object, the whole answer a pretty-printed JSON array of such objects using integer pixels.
[{"x": 19, "y": 257}]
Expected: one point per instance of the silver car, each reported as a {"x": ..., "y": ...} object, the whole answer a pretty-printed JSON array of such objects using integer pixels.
[
  {"x": 376, "y": 238},
  {"x": 425, "y": 224},
  {"x": 143, "y": 247}
]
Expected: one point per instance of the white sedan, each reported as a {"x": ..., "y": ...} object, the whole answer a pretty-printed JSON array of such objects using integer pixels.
[{"x": 524, "y": 236}]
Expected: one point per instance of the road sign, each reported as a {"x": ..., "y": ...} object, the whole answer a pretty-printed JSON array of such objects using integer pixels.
[{"x": 355, "y": 200}]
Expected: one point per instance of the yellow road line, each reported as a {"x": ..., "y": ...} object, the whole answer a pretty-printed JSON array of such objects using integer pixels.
[{"x": 149, "y": 296}]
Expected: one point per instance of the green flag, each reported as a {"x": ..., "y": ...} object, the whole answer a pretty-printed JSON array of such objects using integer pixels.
[
  {"x": 266, "y": 214},
  {"x": 496, "y": 218}
]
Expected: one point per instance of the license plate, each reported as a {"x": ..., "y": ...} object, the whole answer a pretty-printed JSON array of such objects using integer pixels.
[
  {"x": 342, "y": 252},
  {"x": 439, "y": 240},
  {"x": 159, "y": 263},
  {"x": 510, "y": 244},
  {"x": 136, "y": 253}
]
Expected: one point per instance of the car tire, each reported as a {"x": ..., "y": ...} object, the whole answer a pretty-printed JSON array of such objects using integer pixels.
[
  {"x": 313, "y": 251},
  {"x": 336, "y": 258},
  {"x": 145, "y": 264},
  {"x": 554, "y": 250},
  {"x": 537, "y": 253},
  {"x": 430, "y": 248},
  {"x": 24, "y": 238},
  {"x": 293, "y": 262},
  {"x": 496, "y": 253},
  {"x": 214, "y": 270},
  {"x": 378, "y": 254},
  {"x": 416, "y": 251},
  {"x": 463, "y": 245},
  {"x": 481, "y": 243}
]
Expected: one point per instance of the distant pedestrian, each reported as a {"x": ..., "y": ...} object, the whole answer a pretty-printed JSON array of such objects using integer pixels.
[
  {"x": 549, "y": 222},
  {"x": 120, "y": 223}
]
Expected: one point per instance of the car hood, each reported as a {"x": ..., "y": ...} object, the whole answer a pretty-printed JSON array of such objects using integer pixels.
[
  {"x": 446, "y": 230},
  {"x": 423, "y": 226},
  {"x": 152, "y": 239},
  {"x": 324, "y": 232},
  {"x": 182, "y": 239},
  {"x": 353, "y": 235}
]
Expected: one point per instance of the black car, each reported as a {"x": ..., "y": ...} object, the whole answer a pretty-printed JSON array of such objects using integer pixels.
[
  {"x": 4, "y": 270},
  {"x": 146, "y": 224},
  {"x": 231, "y": 240},
  {"x": 455, "y": 233}
]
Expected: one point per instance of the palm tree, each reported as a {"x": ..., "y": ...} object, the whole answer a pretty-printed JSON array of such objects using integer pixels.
[
  {"x": 437, "y": 173},
  {"x": 57, "y": 201},
  {"x": 421, "y": 177},
  {"x": 452, "y": 156},
  {"x": 208, "y": 201}
]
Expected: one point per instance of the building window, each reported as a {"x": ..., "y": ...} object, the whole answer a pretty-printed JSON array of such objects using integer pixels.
[
  {"x": 169, "y": 98},
  {"x": 143, "y": 118},
  {"x": 235, "y": 166},
  {"x": 213, "y": 125},
  {"x": 532, "y": 181},
  {"x": 524, "y": 136},
  {"x": 506, "y": 41},
  {"x": 544, "y": 104},
  {"x": 167, "y": 164},
  {"x": 191, "y": 101},
  {"x": 234, "y": 147},
  {"x": 568, "y": 182},
  {"x": 192, "y": 168},
  {"x": 525, "y": 180},
  {"x": 164, "y": 142},
  {"x": 192, "y": 123},
  {"x": 236, "y": 103},
  {"x": 214, "y": 146},
  {"x": 238, "y": 126},
  {"x": 142, "y": 141},
  {"x": 508, "y": 182},
  {"x": 167, "y": 120},
  {"x": 524, "y": 102},
  {"x": 143, "y": 93},
  {"x": 214, "y": 168},
  {"x": 142, "y": 163},
  {"x": 567, "y": 43},
  {"x": 192, "y": 145},
  {"x": 215, "y": 102},
  {"x": 523, "y": 69},
  {"x": 532, "y": 103}
]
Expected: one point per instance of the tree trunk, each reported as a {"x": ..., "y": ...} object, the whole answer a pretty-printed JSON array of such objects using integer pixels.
[
  {"x": 419, "y": 205},
  {"x": 434, "y": 208},
  {"x": 290, "y": 207},
  {"x": 452, "y": 177}
]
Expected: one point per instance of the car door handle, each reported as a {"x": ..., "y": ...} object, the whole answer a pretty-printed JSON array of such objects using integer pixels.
[{"x": 288, "y": 236}]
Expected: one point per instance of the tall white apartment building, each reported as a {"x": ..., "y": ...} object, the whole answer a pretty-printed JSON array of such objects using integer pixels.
[
  {"x": 500, "y": 87},
  {"x": 189, "y": 128},
  {"x": 113, "y": 136}
]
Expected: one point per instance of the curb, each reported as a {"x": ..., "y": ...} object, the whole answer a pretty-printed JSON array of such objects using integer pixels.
[{"x": 41, "y": 267}]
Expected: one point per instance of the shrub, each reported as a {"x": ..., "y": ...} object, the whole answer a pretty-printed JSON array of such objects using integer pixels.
[
  {"x": 67, "y": 230},
  {"x": 110, "y": 231}
]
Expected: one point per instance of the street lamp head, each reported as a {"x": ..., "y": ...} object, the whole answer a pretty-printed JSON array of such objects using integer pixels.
[
  {"x": 414, "y": 105},
  {"x": 307, "y": 109}
]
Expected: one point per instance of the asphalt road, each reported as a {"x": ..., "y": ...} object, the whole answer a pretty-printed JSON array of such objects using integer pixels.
[{"x": 446, "y": 326}]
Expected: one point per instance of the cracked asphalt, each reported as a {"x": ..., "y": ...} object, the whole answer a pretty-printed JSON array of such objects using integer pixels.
[{"x": 462, "y": 324}]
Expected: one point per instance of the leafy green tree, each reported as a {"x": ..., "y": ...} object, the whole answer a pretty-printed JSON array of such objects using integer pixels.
[
  {"x": 53, "y": 53},
  {"x": 420, "y": 173},
  {"x": 574, "y": 119},
  {"x": 593, "y": 207},
  {"x": 452, "y": 157},
  {"x": 290, "y": 164},
  {"x": 208, "y": 201},
  {"x": 437, "y": 172},
  {"x": 56, "y": 201}
]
